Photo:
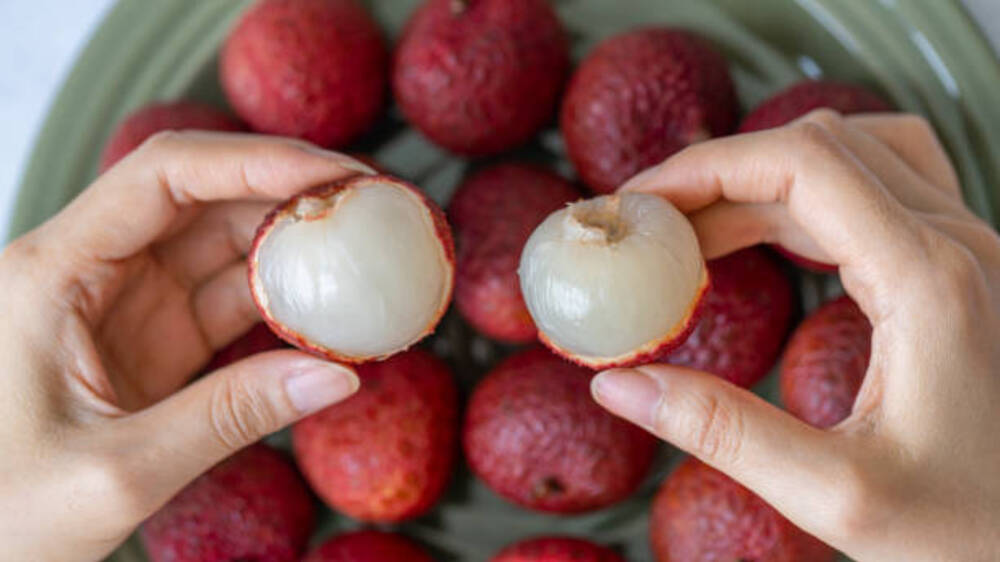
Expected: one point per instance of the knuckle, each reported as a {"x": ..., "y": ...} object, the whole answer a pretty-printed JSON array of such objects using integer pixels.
[
  {"x": 825, "y": 117},
  {"x": 238, "y": 415},
  {"x": 161, "y": 141},
  {"x": 813, "y": 138},
  {"x": 958, "y": 273},
  {"x": 917, "y": 126},
  {"x": 717, "y": 427}
]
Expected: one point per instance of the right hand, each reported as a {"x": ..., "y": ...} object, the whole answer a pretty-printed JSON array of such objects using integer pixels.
[{"x": 914, "y": 472}]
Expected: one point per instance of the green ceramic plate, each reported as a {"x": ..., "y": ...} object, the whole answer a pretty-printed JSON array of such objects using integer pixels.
[{"x": 926, "y": 56}]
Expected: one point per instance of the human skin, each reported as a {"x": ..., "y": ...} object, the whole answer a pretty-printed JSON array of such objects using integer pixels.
[
  {"x": 914, "y": 472},
  {"x": 110, "y": 307}
]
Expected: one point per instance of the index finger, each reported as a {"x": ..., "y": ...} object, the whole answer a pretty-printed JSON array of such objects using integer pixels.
[{"x": 136, "y": 201}]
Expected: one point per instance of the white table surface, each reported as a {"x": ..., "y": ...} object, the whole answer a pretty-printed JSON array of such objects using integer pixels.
[{"x": 41, "y": 39}]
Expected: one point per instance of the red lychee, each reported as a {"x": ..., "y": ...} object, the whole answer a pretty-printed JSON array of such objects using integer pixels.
[
  {"x": 802, "y": 97},
  {"x": 825, "y": 363},
  {"x": 368, "y": 546},
  {"x": 386, "y": 453},
  {"x": 252, "y": 506},
  {"x": 557, "y": 549},
  {"x": 536, "y": 437},
  {"x": 480, "y": 76},
  {"x": 700, "y": 514},
  {"x": 313, "y": 69},
  {"x": 494, "y": 212},
  {"x": 640, "y": 97}
]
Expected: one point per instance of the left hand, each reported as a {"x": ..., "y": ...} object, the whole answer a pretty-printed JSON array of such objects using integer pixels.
[{"x": 110, "y": 307}]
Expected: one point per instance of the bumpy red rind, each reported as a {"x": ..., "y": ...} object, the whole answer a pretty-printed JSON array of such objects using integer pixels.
[
  {"x": 557, "y": 549},
  {"x": 368, "y": 546}
]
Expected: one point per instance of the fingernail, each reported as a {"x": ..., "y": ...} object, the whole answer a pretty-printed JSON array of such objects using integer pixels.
[
  {"x": 639, "y": 179},
  {"x": 343, "y": 160},
  {"x": 630, "y": 393},
  {"x": 317, "y": 384}
]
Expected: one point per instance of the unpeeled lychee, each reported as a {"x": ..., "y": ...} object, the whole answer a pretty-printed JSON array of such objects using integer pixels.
[
  {"x": 368, "y": 546},
  {"x": 535, "y": 436},
  {"x": 640, "y": 97},
  {"x": 557, "y": 549},
  {"x": 252, "y": 506},
  {"x": 480, "y": 76},
  {"x": 494, "y": 212},
  {"x": 700, "y": 514},
  {"x": 313, "y": 69},
  {"x": 744, "y": 319},
  {"x": 802, "y": 97},
  {"x": 615, "y": 280},
  {"x": 355, "y": 270},
  {"x": 825, "y": 363},
  {"x": 163, "y": 116},
  {"x": 386, "y": 453},
  {"x": 258, "y": 340}
]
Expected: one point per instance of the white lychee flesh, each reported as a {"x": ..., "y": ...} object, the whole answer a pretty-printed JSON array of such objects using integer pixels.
[
  {"x": 356, "y": 274},
  {"x": 613, "y": 279}
]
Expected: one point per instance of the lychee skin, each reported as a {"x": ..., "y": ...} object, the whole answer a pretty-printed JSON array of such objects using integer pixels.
[
  {"x": 312, "y": 69},
  {"x": 701, "y": 514},
  {"x": 163, "y": 116},
  {"x": 640, "y": 97},
  {"x": 442, "y": 230},
  {"x": 803, "y": 97},
  {"x": 536, "y": 437},
  {"x": 368, "y": 546},
  {"x": 480, "y": 76},
  {"x": 494, "y": 212},
  {"x": 386, "y": 453},
  {"x": 252, "y": 506},
  {"x": 258, "y": 340},
  {"x": 557, "y": 549},
  {"x": 825, "y": 363},
  {"x": 744, "y": 319}
]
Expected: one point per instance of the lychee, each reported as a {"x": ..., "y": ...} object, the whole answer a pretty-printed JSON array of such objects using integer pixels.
[
  {"x": 252, "y": 506},
  {"x": 386, "y": 453},
  {"x": 355, "y": 270},
  {"x": 557, "y": 549},
  {"x": 640, "y": 97},
  {"x": 700, "y": 514},
  {"x": 825, "y": 363},
  {"x": 802, "y": 97},
  {"x": 494, "y": 212},
  {"x": 535, "y": 436},
  {"x": 368, "y": 546},
  {"x": 480, "y": 76},
  {"x": 163, "y": 116},
  {"x": 615, "y": 280},
  {"x": 312, "y": 69}
]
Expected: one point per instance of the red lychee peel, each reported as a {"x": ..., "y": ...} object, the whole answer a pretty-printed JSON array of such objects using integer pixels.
[
  {"x": 386, "y": 453},
  {"x": 288, "y": 207},
  {"x": 163, "y": 116},
  {"x": 494, "y": 212},
  {"x": 557, "y": 549},
  {"x": 640, "y": 97},
  {"x": 825, "y": 363},
  {"x": 744, "y": 319},
  {"x": 803, "y": 97},
  {"x": 483, "y": 79},
  {"x": 252, "y": 506},
  {"x": 368, "y": 546},
  {"x": 535, "y": 436},
  {"x": 701, "y": 514},
  {"x": 312, "y": 69}
]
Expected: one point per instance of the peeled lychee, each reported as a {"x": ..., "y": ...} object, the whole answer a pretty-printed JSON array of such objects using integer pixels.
[
  {"x": 259, "y": 339},
  {"x": 744, "y": 319},
  {"x": 163, "y": 116},
  {"x": 368, "y": 546},
  {"x": 493, "y": 213},
  {"x": 313, "y": 69},
  {"x": 480, "y": 76},
  {"x": 803, "y": 97},
  {"x": 252, "y": 506},
  {"x": 557, "y": 549},
  {"x": 386, "y": 453},
  {"x": 700, "y": 514},
  {"x": 825, "y": 363},
  {"x": 640, "y": 97},
  {"x": 615, "y": 280},
  {"x": 535, "y": 436},
  {"x": 355, "y": 270}
]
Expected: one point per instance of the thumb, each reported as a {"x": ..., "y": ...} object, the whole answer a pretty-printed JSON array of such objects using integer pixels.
[
  {"x": 785, "y": 461},
  {"x": 189, "y": 432}
]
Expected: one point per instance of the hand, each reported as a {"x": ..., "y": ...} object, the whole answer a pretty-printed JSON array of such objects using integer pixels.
[
  {"x": 914, "y": 472},
  {"x": 110, "y": 307}
]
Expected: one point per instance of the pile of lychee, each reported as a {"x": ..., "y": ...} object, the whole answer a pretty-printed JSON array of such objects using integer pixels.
[{"x": 362, "y": 270}]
